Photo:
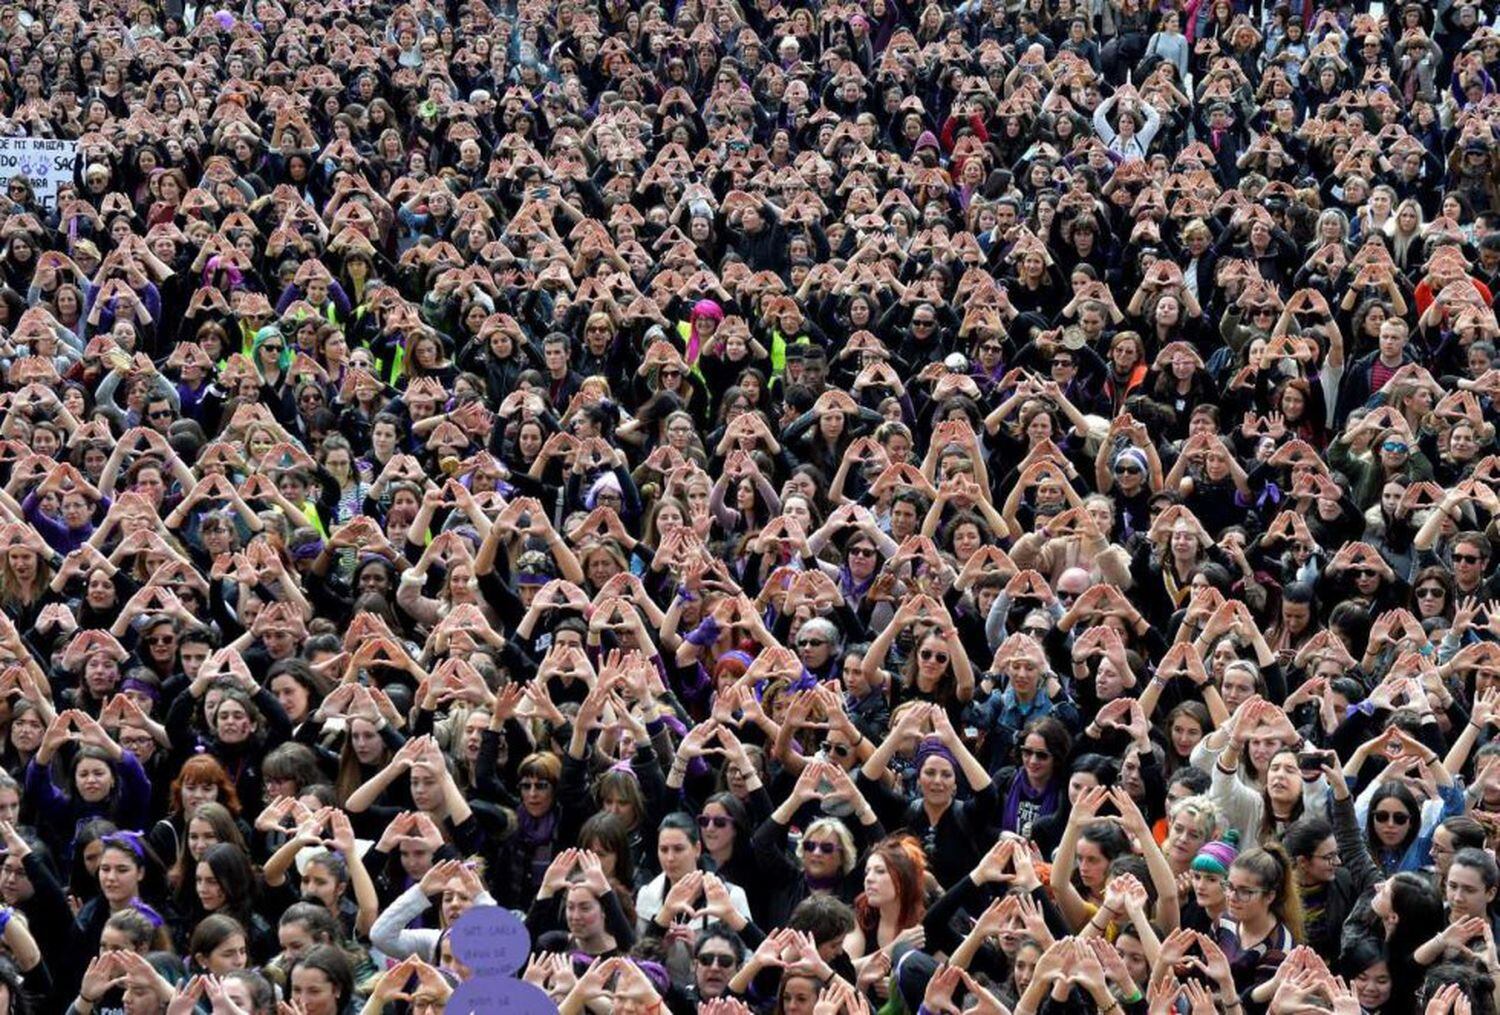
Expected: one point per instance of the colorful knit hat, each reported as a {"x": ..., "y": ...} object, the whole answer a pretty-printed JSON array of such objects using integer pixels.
[{"x": 1215, "y": 857}]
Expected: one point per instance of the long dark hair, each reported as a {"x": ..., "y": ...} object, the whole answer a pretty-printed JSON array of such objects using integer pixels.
[{"x": 1397, "y": 791}]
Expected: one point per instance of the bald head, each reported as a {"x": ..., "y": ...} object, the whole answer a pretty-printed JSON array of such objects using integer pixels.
[{"x": 1074, "y": 581}]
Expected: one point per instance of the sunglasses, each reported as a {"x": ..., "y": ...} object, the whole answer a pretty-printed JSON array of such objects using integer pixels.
[
  {"x": 927, "y": 655},
  {"x": 1127, "y": 470},
  {"x": 1392, "y": 818},
  {"x": 273, "y": 348},
  {"x": 861, "y": 551},
  {"x": 1430, "y": 593},
  {"x": 1033, "y": 754},
  {"x": 826, "y": 848},
  {"x": 1394, "y": 447},
  {"x": 714, "y": 821},
  {"x": 829, "y": 747},
  {"x": 1365, "y": 572},
  {"x": 671, "y": 373},
  {"x": 164, "y": 639},
  {"x": 1467, "y": 558},
  {"x": 811, "y": 643},
  {"x": 160, "y": 414},
  {"x": 535, "y": 785},
  {"x": 710, "y": 959},
  {"x": 922, "y": 324}
]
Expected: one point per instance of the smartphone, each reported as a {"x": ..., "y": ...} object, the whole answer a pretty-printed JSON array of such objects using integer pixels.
[{"x": 1312, "y": 762}]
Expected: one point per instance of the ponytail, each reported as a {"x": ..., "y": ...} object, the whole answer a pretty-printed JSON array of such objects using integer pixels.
[{"x": 1272, "y": 867}]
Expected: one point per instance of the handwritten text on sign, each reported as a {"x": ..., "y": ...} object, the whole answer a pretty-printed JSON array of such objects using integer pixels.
[{"x": 46, "y": 162}]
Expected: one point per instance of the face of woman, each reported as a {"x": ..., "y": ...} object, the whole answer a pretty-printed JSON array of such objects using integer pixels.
[
  {"x": 200, "y": 836},
  {"x": 426, "y": 789},
  {"x": 1238, "y": 685},
  {"x": 585, "y": 917},
  {"x": 1093, "y": 865},
  {"x": 210, "y": 892},
  {"x": 1283, "y": 778},
  {"x": 314, "y": 992},
  {"x": 232, "y": 722},
  {"x": 937, "y": 781},
  {"x": 93, "y": 780},
  {"x": 1373, "y": 986},
  {"x": 677, "y": 854},
  {"x": 799, "y": 995},
  {"x": 718, "y": 830},
  {"x": 1208, "y": 890},
  {"x": 292, "y": 697},
  {"x": 26, "y": 732},
  {"x": 1391, "y": 820},
  {"x": 1185, "y": 735},
  {"x": 195, "y": 794},
  {"x": 119, "y": 876},
  {"x": 933, "y": 660},
  {"x": 1184, "y": 838},
  {"x": 536, "y": 794},
  {"x": 1247, "y": 898},
  {"x": 365, "y": 740},
  {"x": 319, "y": 885},
  {"x": 880, "y": 886},
  {"x": 797, "y": 509},
  {"x": 1465, "y": 890}
]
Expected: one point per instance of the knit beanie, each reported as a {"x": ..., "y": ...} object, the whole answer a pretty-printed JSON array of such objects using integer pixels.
[{"x": 1215, "y": 857}]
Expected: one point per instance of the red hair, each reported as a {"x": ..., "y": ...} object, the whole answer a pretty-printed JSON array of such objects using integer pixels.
[
  {"x": 907, "y": 865},
  {"x": 200, "y": 769}
]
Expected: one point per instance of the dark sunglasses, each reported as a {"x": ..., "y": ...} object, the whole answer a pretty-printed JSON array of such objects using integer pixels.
[
  {"x": 826, "y": 848},
  {"x": 1033, "y": 753},
  {"x": 1392, "y": 818},
  {"x": 710, "y": 959},
  {"x": 714, "y": 821},
  {"x": 928, "y": 655},
  {"x": 535, "y": 785},
  {"x": 1467, "y": 558},
  {"x": 1430, "y": 593},
  {"x": 829, "y": 747},
  {"x": 160, "y": 414}
]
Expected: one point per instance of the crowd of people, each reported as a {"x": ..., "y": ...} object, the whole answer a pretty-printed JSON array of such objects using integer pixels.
[{"x": 934, "y": 508}]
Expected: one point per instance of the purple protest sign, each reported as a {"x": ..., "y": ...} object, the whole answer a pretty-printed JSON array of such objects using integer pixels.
[
  {"x": 491, "y": 941},
  {"x": 485, "y": 994}
]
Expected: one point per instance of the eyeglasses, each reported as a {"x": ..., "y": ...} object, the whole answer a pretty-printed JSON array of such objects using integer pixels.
[
  {"x": 1067, "y": 596},
  {"x": 714, "y": 821},
  {"x": 1467, "y": 558},
  {"x": 812, "y": 642},
  {"x": 160, "y": 414},
  {"x": 710, "y": 959},
  {"x": 928, "y": 655},
  {"x": 1397, "y": 818},
  {"x": 268, "y": 347},
  {"x": 1334, "y": 858},
  {"x": 829, "y": 747},
  {"x": 1394, "y": 447},
  {"x": 1432, "y": 592},
  {"x": 671, "y": 373},
  {"x": 1033, "y": 754},
  {"x": 1365, "y": 572},
  {"x": 922, "y": 323},
  {"x": 990, "y": 347},
  {"x": 535, "y": 785},
  {"x": 1127, "y": 470},
  {"x": 861, "y": 551},
  {"x": 1036, "y": 632},
  {"x": 826, "y": 848},
  {"x": 1242, "y": 891},
  {"x": 162, "y": 639},
  {"x": 1062, "y": 361}
]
